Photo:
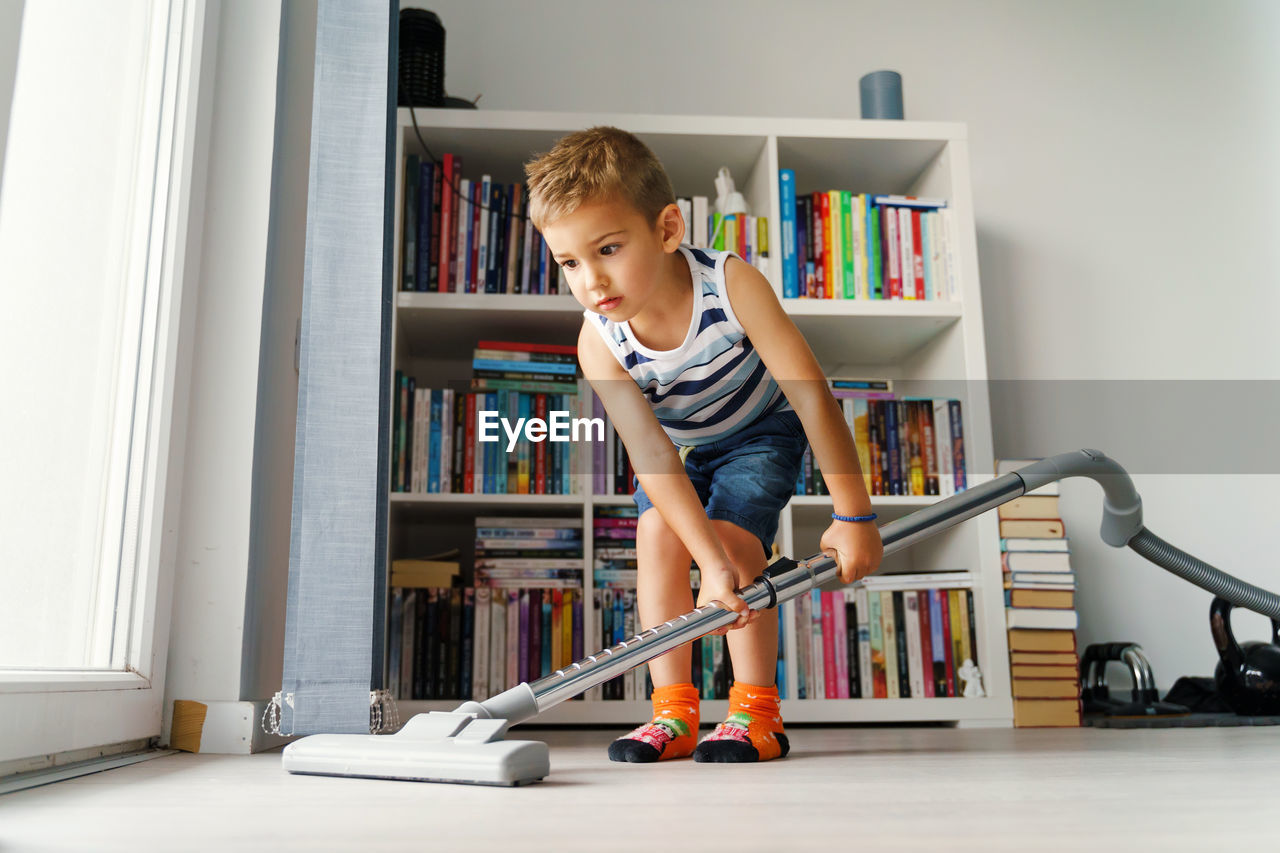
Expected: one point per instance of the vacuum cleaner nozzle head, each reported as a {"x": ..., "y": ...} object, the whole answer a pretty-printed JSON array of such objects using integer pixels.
[{"x": 433, "y": 747}]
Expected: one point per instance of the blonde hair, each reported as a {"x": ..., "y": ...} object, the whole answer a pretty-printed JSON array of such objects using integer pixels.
[{"x": 594, "y": 164}]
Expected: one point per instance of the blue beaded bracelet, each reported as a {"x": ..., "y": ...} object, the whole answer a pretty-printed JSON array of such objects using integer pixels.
[{"x": 837, "y": 517}]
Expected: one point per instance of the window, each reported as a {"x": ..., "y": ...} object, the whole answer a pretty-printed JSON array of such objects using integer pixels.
[{"x": 92, "y": 223}]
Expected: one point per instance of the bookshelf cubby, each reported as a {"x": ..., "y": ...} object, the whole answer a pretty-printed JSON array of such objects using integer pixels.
[{"x": 933, "y": 348}]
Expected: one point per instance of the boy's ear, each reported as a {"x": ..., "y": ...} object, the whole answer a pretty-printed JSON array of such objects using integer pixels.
[{"x": 671, "y": 227}]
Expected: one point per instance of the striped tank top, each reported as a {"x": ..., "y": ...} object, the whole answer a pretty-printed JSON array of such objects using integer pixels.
[{"x": 712, "y": 385}]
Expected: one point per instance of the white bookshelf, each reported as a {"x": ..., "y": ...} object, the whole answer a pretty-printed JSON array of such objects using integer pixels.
[{"x": 933, "y": 348}]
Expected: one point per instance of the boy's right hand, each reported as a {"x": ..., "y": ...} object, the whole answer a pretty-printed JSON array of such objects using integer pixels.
[{"x": 717, "y": 585}]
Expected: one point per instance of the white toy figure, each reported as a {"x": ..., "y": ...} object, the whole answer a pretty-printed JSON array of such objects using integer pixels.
[
  {"x": 972, "y": 678},
  {"x": 728, "y": 200}
]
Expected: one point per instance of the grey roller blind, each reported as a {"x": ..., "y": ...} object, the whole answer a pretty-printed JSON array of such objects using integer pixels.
[{"x": 337, "y": 565}]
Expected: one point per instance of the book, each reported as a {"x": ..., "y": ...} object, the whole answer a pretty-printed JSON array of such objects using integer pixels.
[
  {"x": 889, "y": 617},
  {"x": 827, "y": 629},
  {"x": 840, "y": 639},
  {"x": 1068, "y": 671},
  {"x": 1033, "y": 713},
  {"x": 900, "y": 639},
  {"x": 1025, "y": 640},
  {"x": 1043, "y": 658},
  {"x": 1023, "y": 617},
  {"x": 425, "y": 217},
  {"x": 1031, "y": 528},
  {"x": 915, "y": 654},
  {"x": 1040, "y": 598},
  {"x": 497, "y": 642},
  {"x": 409, "y": 240},
  {"x": 1041, "y": 580},
  {"x": 920, "y": 580},
  {"x": 1030, "y": 506},
  {"x": 819, "y": 668},
  {"x": 1025, "y": 544},
  {"x": 939, "y": 645},
  {"x": 1047, "y": 562},
  {"x": 950, "y": 664},
  {"x": 878, "y": 655},
  {"x": 1045, "y": 688},
  {"x": 790, "y": 266},
  {"x": 926, "y": 643},
  {"x": 865, "y": 676},
  {"x": 425, "y": 572}
]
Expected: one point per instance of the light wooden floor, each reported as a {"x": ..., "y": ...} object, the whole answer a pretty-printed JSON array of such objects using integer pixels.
[{"x": 843, "y": 789}]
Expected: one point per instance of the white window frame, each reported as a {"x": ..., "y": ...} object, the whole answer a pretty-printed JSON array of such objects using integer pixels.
[{"x": 51, "y": 711}]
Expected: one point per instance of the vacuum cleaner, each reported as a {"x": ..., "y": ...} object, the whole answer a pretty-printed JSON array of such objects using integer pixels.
[{"x": 467, "y": 745}]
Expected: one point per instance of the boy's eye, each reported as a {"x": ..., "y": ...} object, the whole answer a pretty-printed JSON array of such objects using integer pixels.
[
  {"x": 568, "y": 264},
  {"x": 606, "y": 250}
]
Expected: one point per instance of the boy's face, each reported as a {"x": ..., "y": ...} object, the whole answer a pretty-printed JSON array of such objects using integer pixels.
[{"x": 612, "y": 257}]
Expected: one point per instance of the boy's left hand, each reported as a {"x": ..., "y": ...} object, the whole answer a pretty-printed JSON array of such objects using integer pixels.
[{"x": 855, "y": 546}]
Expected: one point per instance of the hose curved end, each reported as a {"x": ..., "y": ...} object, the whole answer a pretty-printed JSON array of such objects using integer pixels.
[{"x": 1121, "y": 506}]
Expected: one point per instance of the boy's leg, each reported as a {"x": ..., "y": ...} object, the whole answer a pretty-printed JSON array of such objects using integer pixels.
[
  {"x": 662, "y": 593},
  {"x": 753, "y": 729}
]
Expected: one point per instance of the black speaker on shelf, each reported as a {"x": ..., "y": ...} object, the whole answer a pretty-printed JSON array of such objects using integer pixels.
[{"x": 421, "y": 59}]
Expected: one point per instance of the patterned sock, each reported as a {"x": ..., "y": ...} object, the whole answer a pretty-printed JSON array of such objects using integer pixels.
[
  {"x": 751, "y": 732},
  {"x": 671, "y": 733}
]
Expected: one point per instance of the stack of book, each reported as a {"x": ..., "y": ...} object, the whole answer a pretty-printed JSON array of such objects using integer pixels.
[
  {"x": 906, "y": 446},
  {"x": 837, "y": 244},
  {"x": 520, "y": 621},
  {"x": 528, "y": 571},
  {"x": 1040, "y": 607},
  {"x": 436, "y": 445},
  {"x": 464, "y": 235},
  {"x": 430, "y": 626},
  {"x": 887, "y": 637}
]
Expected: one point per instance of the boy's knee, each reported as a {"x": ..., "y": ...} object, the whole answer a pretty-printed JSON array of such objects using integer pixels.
[
  {"x": 743, "y": 549},
  {"x": 655, "y": 537}
]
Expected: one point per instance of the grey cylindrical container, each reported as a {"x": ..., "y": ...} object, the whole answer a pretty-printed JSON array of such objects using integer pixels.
[{"x": 881, "y": 94}]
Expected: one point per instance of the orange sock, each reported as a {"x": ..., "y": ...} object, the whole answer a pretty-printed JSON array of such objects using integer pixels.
[
  {"x": 672, "y": 733},
  {"x": 751, "y": 732}
]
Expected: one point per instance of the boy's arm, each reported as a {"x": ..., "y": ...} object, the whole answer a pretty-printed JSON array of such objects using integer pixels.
[
  {"x": 658, "y": 468},
  {"x": 786, "y": 354}
]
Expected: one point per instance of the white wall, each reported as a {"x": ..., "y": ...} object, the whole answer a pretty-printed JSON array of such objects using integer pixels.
[
  {"x": 229, "y": 238},
  {"x": 1125, "y": 183}
]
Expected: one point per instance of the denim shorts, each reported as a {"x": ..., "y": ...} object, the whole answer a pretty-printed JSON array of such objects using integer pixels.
[{"x": 748, "y": 477}]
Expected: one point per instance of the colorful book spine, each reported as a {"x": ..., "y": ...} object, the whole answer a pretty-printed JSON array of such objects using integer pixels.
[
  {"x": 426, "y": 177},
  {"x": 847, "y": 245},
  {"x": 926, "y": 643},
  {"x": 915, "y": 653},
  {"x": 830, "y": 675},
  {"x": 841, "y": 636},
  {"x": 790, "y": 257},
  {"x": 819, "y": 669},
  {"x": 409, "y": 236}
]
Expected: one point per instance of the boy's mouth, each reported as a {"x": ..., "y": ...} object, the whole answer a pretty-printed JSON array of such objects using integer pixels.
[{"x": 608, "y": 304}]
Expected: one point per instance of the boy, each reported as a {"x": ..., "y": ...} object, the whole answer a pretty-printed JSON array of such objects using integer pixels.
[{"x": 712, "y": 390}]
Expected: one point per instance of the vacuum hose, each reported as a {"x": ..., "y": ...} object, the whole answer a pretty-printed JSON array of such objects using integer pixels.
[
  {"x": 786, "y": 579},
  {"x": 1205, "y": 576}
]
